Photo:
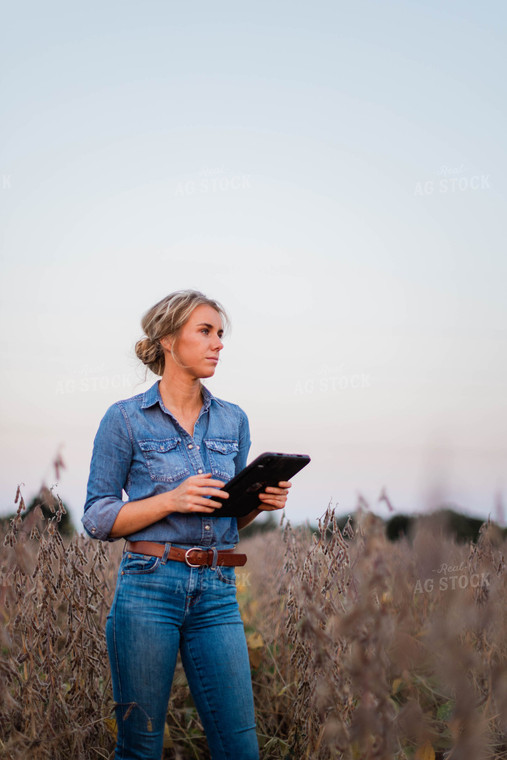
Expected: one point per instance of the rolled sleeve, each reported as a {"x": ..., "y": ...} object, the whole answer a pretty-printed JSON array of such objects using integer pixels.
[{"x": 109, "y": 470}]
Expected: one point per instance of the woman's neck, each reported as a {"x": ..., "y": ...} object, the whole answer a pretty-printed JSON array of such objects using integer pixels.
[{"x": 180, "y": 393}]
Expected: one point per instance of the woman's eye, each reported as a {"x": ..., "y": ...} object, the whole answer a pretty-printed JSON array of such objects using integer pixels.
[{"x": 205, "y": 330}]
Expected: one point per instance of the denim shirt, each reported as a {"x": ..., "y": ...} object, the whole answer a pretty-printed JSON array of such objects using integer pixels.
[{"x": 142, "y": 450}]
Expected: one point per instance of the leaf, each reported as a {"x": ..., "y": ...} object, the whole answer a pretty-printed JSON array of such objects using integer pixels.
[
  {"x": 110, "y": 724},
  {"x": 445, "y": 711},
  {"x": 396, "y": 685},
  {"x": 168, "y": 742},
  {"x": 255, "y": 641},
  {"x": 255, "y": 657},
  {"x": 426, "y": 752},
  {"x": 255, "y": 644}
]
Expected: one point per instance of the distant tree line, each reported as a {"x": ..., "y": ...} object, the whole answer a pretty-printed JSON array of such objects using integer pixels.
[
  {"x": 446, "y": 520},
  {"x": 449, "y": 521}
]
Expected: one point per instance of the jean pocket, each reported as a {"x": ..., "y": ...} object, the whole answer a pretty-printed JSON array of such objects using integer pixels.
[
  {"x": 138, "y": 564},
  {"x": 226, "y": 574}
]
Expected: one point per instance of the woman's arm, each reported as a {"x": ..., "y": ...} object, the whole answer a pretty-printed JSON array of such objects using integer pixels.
[
  {"x": 109, "y": 469},
  {"x": 247, "y": 519},
  {"x": 189, "y": 497}
]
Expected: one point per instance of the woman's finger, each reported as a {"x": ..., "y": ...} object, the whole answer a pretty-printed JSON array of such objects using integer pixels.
[
  {"x": 202, "y": 502},
  {"x": 205, "y": 480},
  {"x": 277, "y": 503},
  {"x": 212, "y": 492}
]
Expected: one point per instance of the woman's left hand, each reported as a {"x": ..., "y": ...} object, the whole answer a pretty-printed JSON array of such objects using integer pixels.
[{"x": 274, "y": 497}]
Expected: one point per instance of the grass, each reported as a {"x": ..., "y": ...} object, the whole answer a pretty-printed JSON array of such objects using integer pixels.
[{"x": 360, "y": 648}]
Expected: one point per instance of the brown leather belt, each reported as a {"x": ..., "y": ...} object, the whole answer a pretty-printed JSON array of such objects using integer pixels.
[{"x": 193, "y": 557}]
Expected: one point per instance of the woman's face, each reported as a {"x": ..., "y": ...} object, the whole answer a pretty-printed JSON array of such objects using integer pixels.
[{"x": 198, "y": 343}]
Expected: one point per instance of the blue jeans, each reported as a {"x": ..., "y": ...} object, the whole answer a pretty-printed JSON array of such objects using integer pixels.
[{"x": 162, "y": 606}]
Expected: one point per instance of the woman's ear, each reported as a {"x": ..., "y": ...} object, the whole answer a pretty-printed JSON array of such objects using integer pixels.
[{"x": 166, "y": 342}]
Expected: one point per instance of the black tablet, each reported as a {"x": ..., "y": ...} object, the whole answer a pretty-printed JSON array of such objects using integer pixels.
[{"x": 267, "y": 470}]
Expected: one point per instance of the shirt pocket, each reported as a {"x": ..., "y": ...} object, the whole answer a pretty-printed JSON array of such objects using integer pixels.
[
  {"x": 222, "y": 454},
  {"x": 165, "y": 459}
]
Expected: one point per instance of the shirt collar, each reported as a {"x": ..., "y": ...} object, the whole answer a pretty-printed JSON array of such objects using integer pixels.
[{"x": 152, "y": 396}]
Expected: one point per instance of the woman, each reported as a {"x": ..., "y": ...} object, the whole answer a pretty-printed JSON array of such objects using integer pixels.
[{"x": 171, "y": 449}]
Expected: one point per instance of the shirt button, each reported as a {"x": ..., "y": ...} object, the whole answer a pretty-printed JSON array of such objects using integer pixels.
[
  {"x": 206, "y": 527},
  {"x": 199, "y": 470},
  {"x": 190, "y": 446},
  {"x": 197, "y": 447}
]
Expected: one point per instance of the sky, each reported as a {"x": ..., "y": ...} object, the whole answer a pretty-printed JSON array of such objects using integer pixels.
[{"x": 334, "y": 173}]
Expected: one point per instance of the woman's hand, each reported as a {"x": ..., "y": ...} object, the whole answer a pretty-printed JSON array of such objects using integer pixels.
[
  {"x": 274, "y": 497},
  {"x": 190, "y": 496}
]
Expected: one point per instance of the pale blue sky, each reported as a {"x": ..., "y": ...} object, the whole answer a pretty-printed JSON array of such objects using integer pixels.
[{"x": 335, "y": 174}]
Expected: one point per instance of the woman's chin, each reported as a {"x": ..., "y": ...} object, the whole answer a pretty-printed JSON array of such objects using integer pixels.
[{"x": 205, "y": 372}]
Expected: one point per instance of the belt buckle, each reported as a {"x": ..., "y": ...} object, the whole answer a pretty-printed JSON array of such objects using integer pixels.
[{"x": 187, "y": 561}]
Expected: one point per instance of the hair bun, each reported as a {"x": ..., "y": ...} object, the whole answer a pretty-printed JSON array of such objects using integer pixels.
[{"x": 150, "y": 353}]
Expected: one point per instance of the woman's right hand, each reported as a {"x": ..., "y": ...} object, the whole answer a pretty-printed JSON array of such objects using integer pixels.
[{"x": 190, "y": 496}]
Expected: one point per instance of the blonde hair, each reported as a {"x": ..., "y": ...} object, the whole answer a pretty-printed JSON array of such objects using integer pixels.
[{"x": 167, "y": 317}]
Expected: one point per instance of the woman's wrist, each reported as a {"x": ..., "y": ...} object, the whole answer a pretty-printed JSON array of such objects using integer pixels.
[
  {"x": 168, "y": 501},
  {"x": 248, "y": 518}
]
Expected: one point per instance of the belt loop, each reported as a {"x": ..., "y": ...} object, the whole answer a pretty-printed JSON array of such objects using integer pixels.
[
  {"x": 167, "y": 549},
  {"x": 213, "y": 565}
]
